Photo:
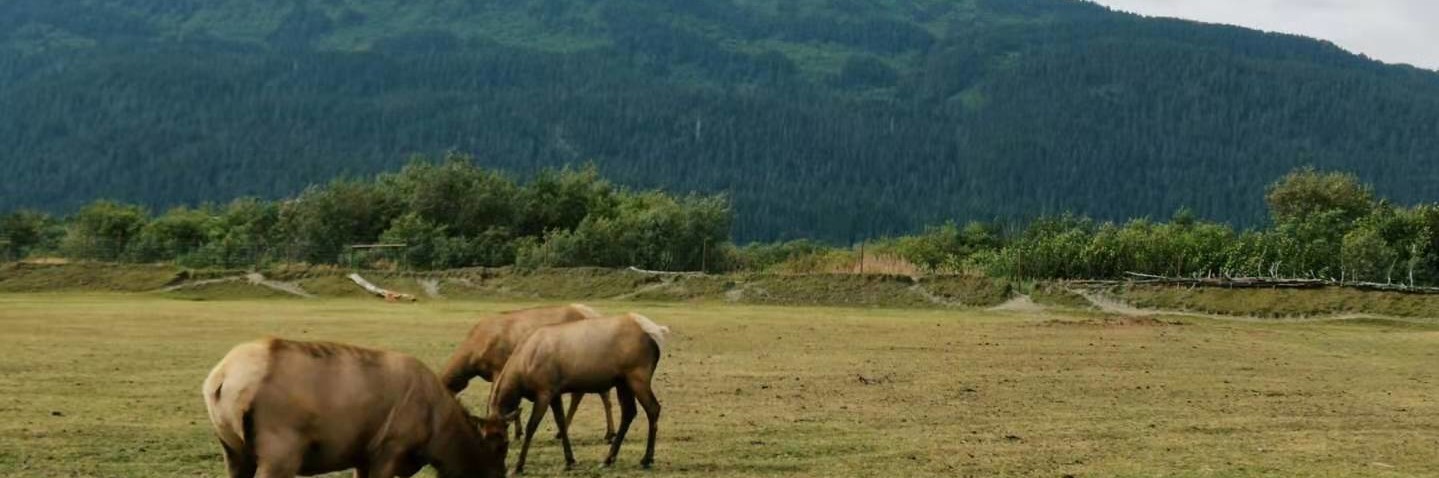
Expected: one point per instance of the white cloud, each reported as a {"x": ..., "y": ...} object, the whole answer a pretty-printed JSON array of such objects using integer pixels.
[{"x": 1394, "y": 31}]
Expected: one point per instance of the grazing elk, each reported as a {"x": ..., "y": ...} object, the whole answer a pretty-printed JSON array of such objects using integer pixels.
[
  {"x": 587, "y": 356},
  {"x": 283, "y": 408},
  {"x": 490, "y": 343}
]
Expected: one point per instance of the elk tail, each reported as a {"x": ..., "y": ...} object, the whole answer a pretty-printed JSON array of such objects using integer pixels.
[
  {"x": 657, "y": 332},
  {"x": 586, "y": 311}
]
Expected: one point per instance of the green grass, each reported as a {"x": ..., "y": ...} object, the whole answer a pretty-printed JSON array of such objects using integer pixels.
[{"x": 107, "y": 385}]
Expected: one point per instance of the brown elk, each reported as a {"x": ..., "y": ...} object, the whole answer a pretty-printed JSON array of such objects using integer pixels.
[
  {"x": 489, "y": 345},
  {"x": 587, "y": 356},
  {"x": 283, "y": 408}
]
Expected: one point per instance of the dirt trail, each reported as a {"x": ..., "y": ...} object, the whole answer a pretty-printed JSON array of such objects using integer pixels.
[
  {"x": 1112, "y": 305},
  {"x": 648, "y": 288},
  {"x": 187, "y": 285},
  {"x": 291, "y": 288},
  {"x": 253, "y": 278},
  {"x": 1021, "y": 304}
]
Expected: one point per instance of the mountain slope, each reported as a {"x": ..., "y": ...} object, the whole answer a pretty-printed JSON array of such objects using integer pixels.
[{"x": 837, "y": 119}]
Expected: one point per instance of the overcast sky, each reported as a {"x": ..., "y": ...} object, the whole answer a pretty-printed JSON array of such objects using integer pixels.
[{"x": 1393, "y": 31}]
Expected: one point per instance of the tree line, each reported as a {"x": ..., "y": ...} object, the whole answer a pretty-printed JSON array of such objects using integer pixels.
[
  {"x": 451, "y": 213},
  {"x": 1323, "y": 225},
  {"x": 439, "y": 214}
]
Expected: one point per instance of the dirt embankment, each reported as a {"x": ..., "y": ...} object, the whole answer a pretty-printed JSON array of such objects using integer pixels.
[
  {"x": 846, "y": 290},
  {"x": 1330, "y": 303},
  {"x": 509, "y": 283}
]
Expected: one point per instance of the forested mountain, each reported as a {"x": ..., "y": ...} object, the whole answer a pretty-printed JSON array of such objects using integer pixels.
[{"x": 835, "y": 119}]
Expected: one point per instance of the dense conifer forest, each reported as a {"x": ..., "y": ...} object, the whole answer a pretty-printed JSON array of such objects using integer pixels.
[{"x": 836, "y": 120}]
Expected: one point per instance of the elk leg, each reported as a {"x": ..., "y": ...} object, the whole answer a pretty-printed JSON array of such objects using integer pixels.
[
  {"x": 384, "y": 470},
  {"x": 519, "y": 410},
  {"x": 237, "y": 464},
  {"x": 574, "y": 407},
  {"x": 518, "y": 429},
  {"x": 558, "y": 407},
  {"x": 646, "y": 397},
  {"x": 383, "y": 464},
  {"x": 627, "y": 415},
  {"x": 279, "y": 469},
  {"x": 278, "y": 455},
  {"x": 609, "y": 417},
  {"x": 536, "y": 415}
]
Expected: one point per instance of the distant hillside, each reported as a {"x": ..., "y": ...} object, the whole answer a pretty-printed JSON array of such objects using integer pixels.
[{"x": 835, "y": 119}]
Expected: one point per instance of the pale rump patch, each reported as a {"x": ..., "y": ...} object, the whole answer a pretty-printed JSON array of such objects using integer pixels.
[
  {"x": 656, "y": 331},
  {"x": 232, "y": 385},
  {"x": 586, "y": 311}
]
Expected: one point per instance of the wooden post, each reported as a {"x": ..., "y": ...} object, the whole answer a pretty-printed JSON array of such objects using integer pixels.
[
  {"x": 861, "y": 256},
  {"x": 389, "y": 296},
  {"x": 1413, "y": 252}
]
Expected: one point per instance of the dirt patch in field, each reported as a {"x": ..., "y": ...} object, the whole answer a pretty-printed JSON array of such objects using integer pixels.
[
  {"x": 1113, "y": 322},
  {"x": 1058, "y": 294},
  {"x": 1021, "y": 304}
]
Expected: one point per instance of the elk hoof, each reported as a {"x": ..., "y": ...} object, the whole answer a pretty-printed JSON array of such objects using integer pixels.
[
  {"x": 646, "y": 464},
  {"x": 609, "y": 462}
]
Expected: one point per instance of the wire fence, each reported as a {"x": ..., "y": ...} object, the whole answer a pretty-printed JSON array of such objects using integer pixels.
[
  {"x": 215, "y": 254},
  {"x": 221, "y": 255}
]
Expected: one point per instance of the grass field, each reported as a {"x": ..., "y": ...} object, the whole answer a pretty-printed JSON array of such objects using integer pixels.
[{"x": 107, "y": 385}]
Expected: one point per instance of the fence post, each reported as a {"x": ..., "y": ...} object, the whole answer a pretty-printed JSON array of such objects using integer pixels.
[{"x": 861, "y": 255}]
